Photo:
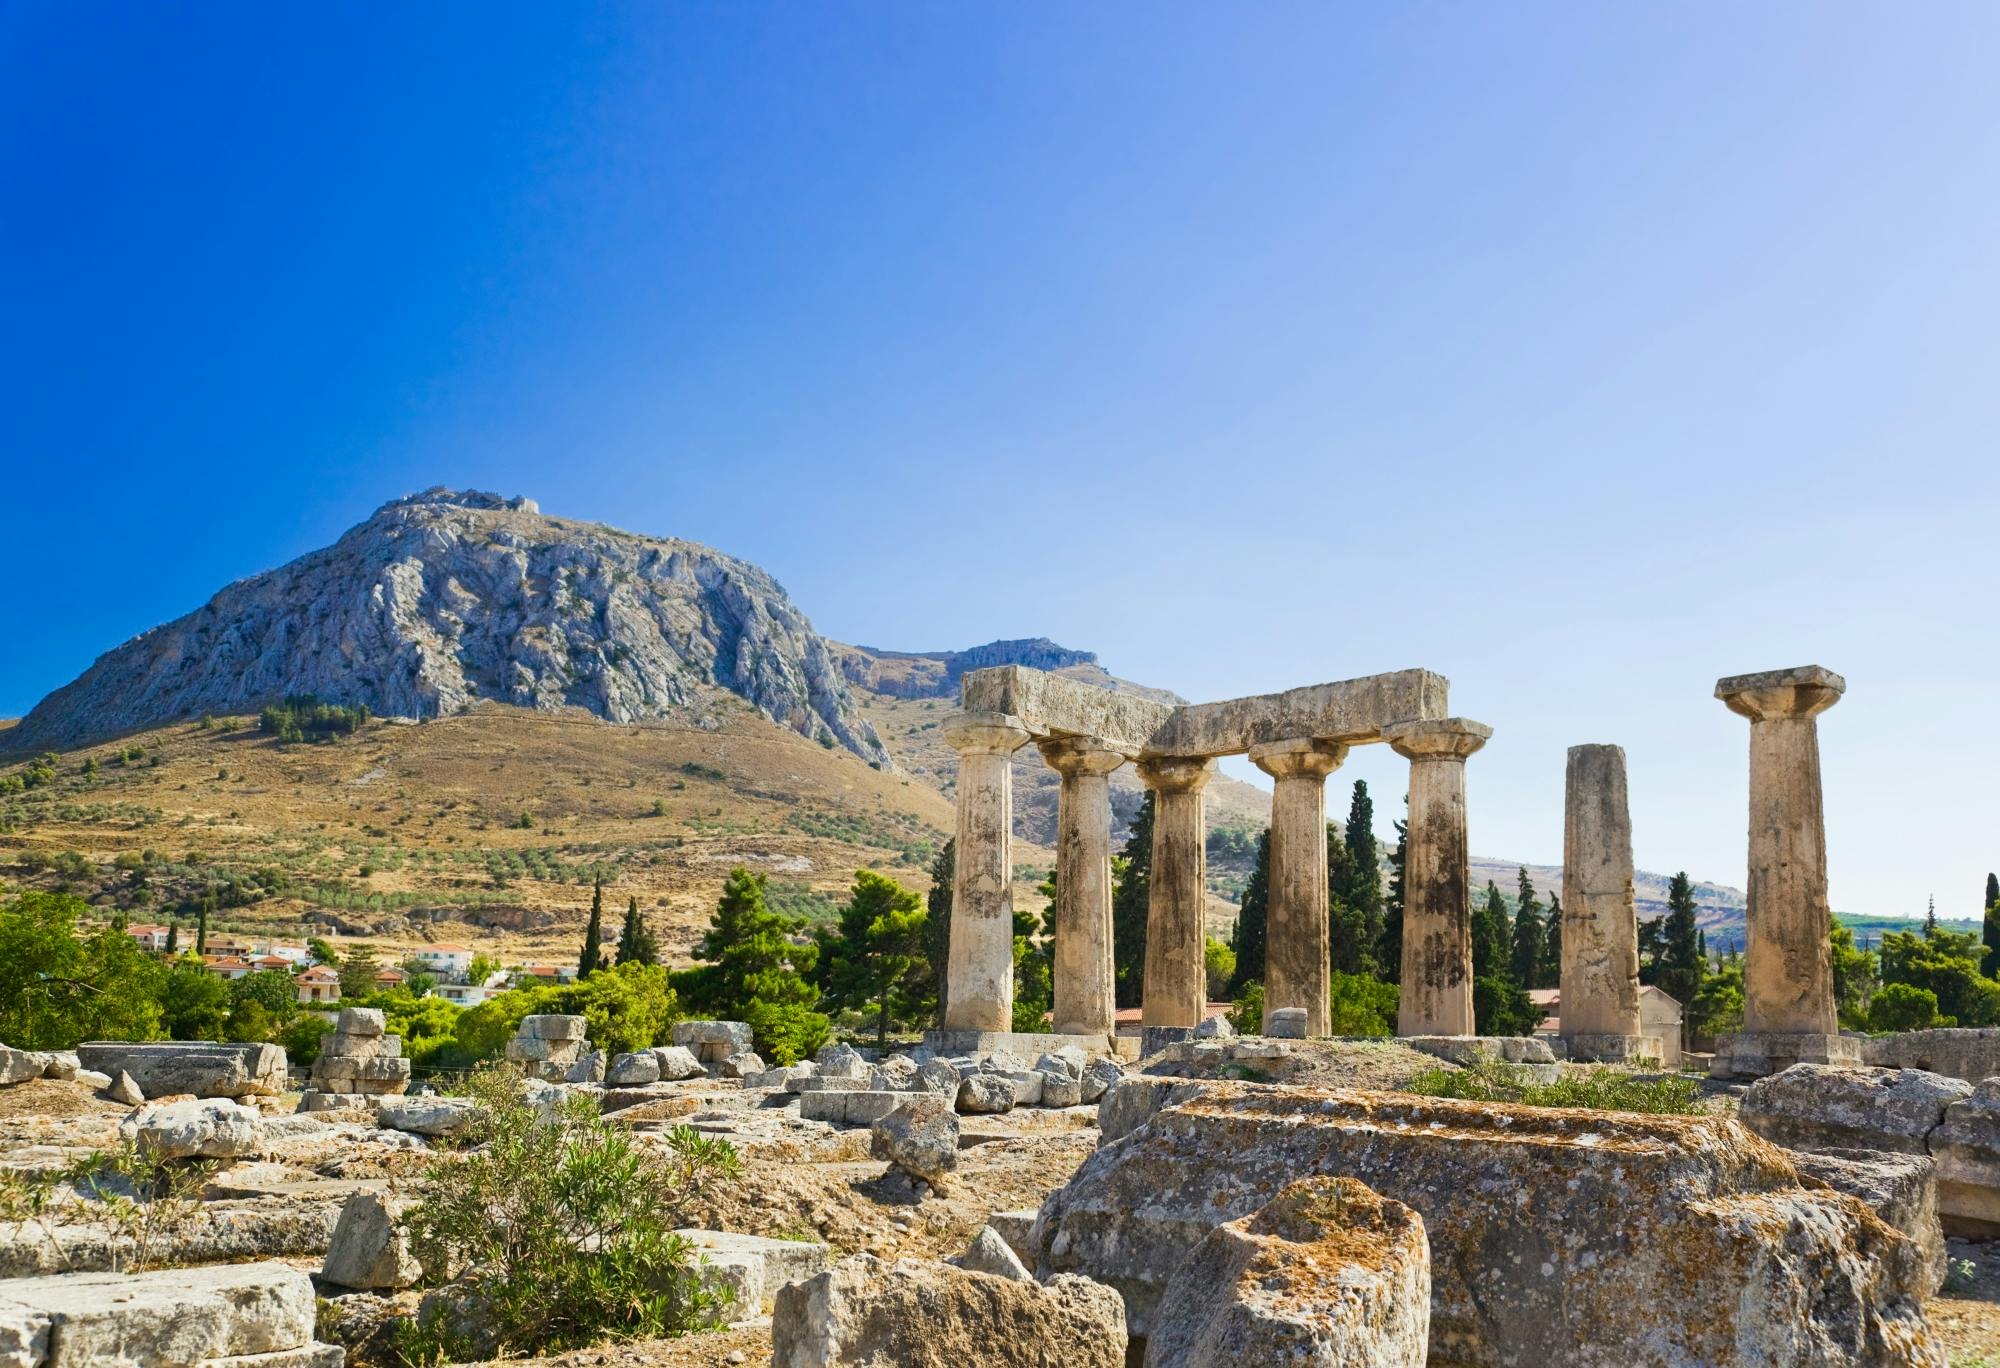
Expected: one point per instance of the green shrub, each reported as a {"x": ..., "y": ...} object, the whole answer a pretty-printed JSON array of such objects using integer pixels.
[
  {"x": 1905, "y": 1007},
  {"x": 560, "y": 1227},
  {"x": 303, "y": 717},
  {"x": 1360, "y": 1005},
  {"x": 1598, "y": 1089},
  {"x": 1247, "y": 1014}
]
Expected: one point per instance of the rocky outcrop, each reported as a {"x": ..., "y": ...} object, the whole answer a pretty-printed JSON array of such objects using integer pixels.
[
  {"x": 444, "y": 599},
  {"x": 1328, "y": 1274},
  {"x": 1552, "y": 1231},
  {"x": 864, "y": 1312},
  {"x": 935, "y": 674},
  {"x": 1900, "y": 1188}
]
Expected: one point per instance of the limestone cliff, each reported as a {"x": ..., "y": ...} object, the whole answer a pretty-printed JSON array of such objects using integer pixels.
[{"x": 442, "y": 599}]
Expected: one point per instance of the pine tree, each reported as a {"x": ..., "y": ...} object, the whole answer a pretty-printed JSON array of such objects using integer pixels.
[
  {"x": 1681, "y": 962},
  {"x": 1389, "y": 954},
  {"x": 1930, "y": 919},
  {"x": 1130, "y": 903},
  {"x": 635, "y": 942},
  {"x": 1530, "y": 937},
  {"x": 1552, "y": 953},
  {"x": 937, "y": 920},
  {"x": 592, "y": 958},
  {"x": 755, "y": 971},
  {"x": 1252, "y": 919},
  {"x": 873, "y": 955}
]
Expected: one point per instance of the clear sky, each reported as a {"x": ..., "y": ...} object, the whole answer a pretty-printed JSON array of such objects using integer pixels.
[{"x": 1581, "y": 352}]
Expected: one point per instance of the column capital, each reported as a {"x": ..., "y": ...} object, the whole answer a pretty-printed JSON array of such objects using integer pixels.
[
  {"x": 1071, "y": 756},
  {"x": 1176, "y": 773},
  {"x": 1803, "y": 691},
  {"x": 1304, "y": 757},
  {"x": 985, "y": 733},
  {"x": 1443, "y": 738}
]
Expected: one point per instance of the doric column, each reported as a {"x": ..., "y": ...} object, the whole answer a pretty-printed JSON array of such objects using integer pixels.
[
  {"x": 1437, "y": 899},
  {"x": 1176, "y": 972},
  {"x": 981, "y": 963},
  {"x": 1787, "y": 969},
  {"x": 1600, "y": 928},
  {"x": 1085, "y": 998},
  {"x": 1296, "y": 964}
]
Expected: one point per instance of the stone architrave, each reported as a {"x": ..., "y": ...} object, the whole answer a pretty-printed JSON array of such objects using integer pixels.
[
  {"x": 1600, "y": 930},
  {"x": 1296, "y": 962},
  {"x": 1788, "y": 1005},
  {"x": 1176, "y": 975},
  {"x": 980, "y": 967},
  {"x": 1437, "y": 907},
  {"x": 1084, "y": 974}
]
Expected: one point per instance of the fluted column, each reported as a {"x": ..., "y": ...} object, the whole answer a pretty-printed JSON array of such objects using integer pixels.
[
  {"x": 1296, "y": 963},
  {"x": 981, "y": 961},
  {"x": 1437, "y": 900},
  {"x": 1600, "y": 928},
  {"x": 1085, "y": 990},
  {"x": 1787, "y": 970},
  {"x": 1176, "y": 968}
]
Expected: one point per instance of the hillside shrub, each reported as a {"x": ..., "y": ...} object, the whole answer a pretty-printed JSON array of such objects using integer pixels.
[
  {"x": 560, "y": 1229},
  {"x": 1905, "y": 1007},
  {"x": 302, "y": 717},
  {"x": 59, "y": 986}
]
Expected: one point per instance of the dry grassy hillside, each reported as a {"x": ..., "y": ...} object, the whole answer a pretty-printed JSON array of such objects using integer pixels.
[{"x": 406, "y": 833}]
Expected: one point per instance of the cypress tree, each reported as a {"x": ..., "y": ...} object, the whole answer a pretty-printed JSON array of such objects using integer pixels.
[
  {"x": 1389, "y": 956},
  {"x": 1252, "y": 918},
  {"x": 1346, "y": 938},
  {"x": 173, "y": 937},
  {"x": 201, "y": 929},
  {"x": 1989, "y": 932},
  {"x": 1992, "y": 889},
  {"x": 1930, "y": 919},
  {"x": 1357, "y": 884},
  {"x": 635, "y": 943},
  {"x": 1491, "y": 936},
  {"x": 1530, "y": 938},
  {"x": 1552, "y": 953},
  {"x": 1131, "y": 900},
  {"x": 592, "y": 958},
  {"x": 1681, "y": 960},
  {"x": 937, "y": 920}
]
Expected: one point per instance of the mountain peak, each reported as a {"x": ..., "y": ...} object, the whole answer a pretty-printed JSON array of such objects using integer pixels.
[{"x": 468, "y": 498}]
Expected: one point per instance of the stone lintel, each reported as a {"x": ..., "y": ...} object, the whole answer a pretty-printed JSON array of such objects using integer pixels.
[
  {"x": 1448, "y": 737},
  {"x": 1802, "y": 691},
  {"x": 1350, "y": 711}
]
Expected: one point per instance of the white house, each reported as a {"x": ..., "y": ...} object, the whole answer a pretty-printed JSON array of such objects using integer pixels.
[
  {"x": 318, "y": 984},
  {"x": 444, "y": 961},
  {"x": 464, "y": 994},
  {"x": 148, "y": 936}
]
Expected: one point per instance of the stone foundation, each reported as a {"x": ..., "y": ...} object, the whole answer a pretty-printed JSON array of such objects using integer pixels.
[{"x": 1757, "y": 1054}]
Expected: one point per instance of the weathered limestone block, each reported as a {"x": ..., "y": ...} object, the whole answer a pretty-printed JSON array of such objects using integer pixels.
[
  {"x": 164, "y": 1319},
  {"x": 898, "y": 1073},
  {"x": 713, "y": 1041},
  {"x": 990, "y": 1253},
  {"x": 1286, "y": 1023},
  {"x": 60, "y": 1064},
  {"x": 754, "y": 1268},
  {"x": 633, "y": 1070},
  {"x": 747, "y": 1064},
  {"x": 1600, "y": 926},
  {"x": 867, "y": 1313},
  {"x": 1131, "y": 1102},
  {"x": 919, "y": 1137},
  {"x": 1967, "y": 1149},
  {"x": 589, "y": 1068},
  {"x": 841, "y": 1061},
  {"x": 939, "y": 1076},
  {"x": 1531, "y": 1053},
  {"x": 1970, "y": 1053},
  {"x": 985, "y": 1094},
  {"x": 210, "y": 1128},
  {"x": 1098, "y": 1075},
  {"x": 677, "y": 1062},
  {"x": 527, "y": 1049},
  {"x": 1327, "y": 1274},
  {"x": 368, "y": 1250},
  {"x": 125, "y": 1089},
  {"x": 553, "y": 1027},
  {"x": 369, "y": 1076},
  {"x": 1060, "y": 1089},
  {"x": 1014, "y": 1227},
  {"x": 1026, "y": 1083},
  {"x": 201, "y": 1068},
  {"x": 1822, "y": 1106},
  {"x": 342, "y": 1045},
  {"x": 428, "y": 1115},
  {"x": 1576, "y": 1220},
  {"x": 1068, "y": 1060},
  {"x": 856, "y": 1106},
  {"x": 18, "y": 1066},
  {"x": 361, "y": 1021},
  {"x": 1900, "y": 1188}
]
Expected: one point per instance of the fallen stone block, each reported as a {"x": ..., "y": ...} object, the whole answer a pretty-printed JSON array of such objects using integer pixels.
[
  {"x": 1327, "y": 1274},
  {"x": 1060, "y": 1089},
  {"x": 788, "y": 1078},
  {"x": 426, "y": 1115},
  {"x": 1828, "y": 1106},
  {"x": 713, "y": 1041},
  {"x": 589, "y": 1068},
  {"x": 124, "y": 1089},
  {"x": 1132, "y": 1102},
  {"x": 1900, "y": 1188},
  {"x": 984, "y": 1094},
  {"x": 866, "y": 1313},
  {"x": 368, "y": 1249},
  {"x": 676, "y": 1062},
  {"x": 1014, "y": 1227},
  {"x": 361, "y": 1021},
  {"x": 989, "y": 1253},
  {"x": 210, "y": 1128},
  {"x": 198, "y": 1068},
  {"x": 1551, "y": 1230},
  {"x": 1285, "y": 1023},
  {"x": 1967, "y": 1150},
  {"x": 1530, "y": 1053},
  {"x": 744, "y": 1065},
  {"x": 162, "y": 1319},
  {"x": 841, "y": 1061},
  {"x": 938, "y": 1076},
  {"x": 18, "y": 1066},
  {"x": 1026, "y": 1084},
  {"x": 632, "y": 1070},
  {"x": 1098, "y": 1076},
  {"x": 849, "y": 1107},
  {"x": 920, "y": 1137},
  {"x": 1067, "y": 1060},
  {"x": 754, "y": 1268},
  {"x": 552, "y": 1026},
  {"x": 1968, "y": 1053},
  {"x": 1215, "y": 1028}
]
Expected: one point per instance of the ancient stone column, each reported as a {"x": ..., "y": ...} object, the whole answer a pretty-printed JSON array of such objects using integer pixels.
[
  {"x": 1437, "y": 897},
  {"x": 1296, "y": 964},
  {"x": 1600, "y": 927},
  {"x": 981, "y": 960},
  {"x": 1085, "y": 1003},
  {"x": 1176, "y": 975},
  {"x": 1788, "y": 1005}
]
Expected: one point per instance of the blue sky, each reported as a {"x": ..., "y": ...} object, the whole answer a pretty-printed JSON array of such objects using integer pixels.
[{"x": 1583, "y": 353}]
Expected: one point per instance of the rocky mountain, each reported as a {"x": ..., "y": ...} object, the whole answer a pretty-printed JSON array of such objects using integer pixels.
[
  {"x": 442, "y": 599},
  {"x": 936, "y": 674}
]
